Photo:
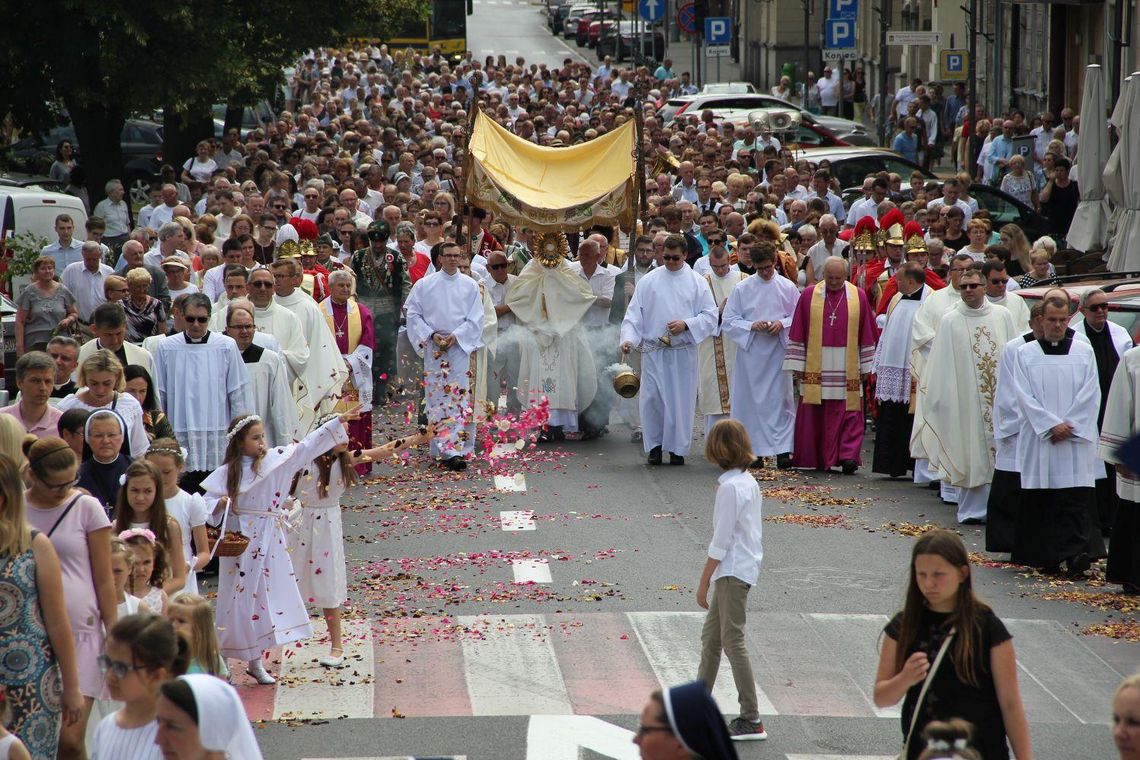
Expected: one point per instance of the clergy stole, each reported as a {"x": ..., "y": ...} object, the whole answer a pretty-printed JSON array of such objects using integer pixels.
[
  {"x": 913, "y": 380},
  {"x": 720, "y": 362},
  {"x": 812, "y": 383},
  {"x": 350, "y": 394}
]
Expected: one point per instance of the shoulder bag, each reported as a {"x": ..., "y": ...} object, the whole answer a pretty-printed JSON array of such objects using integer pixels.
[{"x": 922, "y": 694}]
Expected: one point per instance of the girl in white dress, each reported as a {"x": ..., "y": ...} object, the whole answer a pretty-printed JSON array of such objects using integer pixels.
[
  {"x": 122, "y": 565},
  {"x": 259, "y": 603},
  {"x": 188, "y": 509},
  {"x": 147, "y": 570},
  {"x": 317, "y": 543}
]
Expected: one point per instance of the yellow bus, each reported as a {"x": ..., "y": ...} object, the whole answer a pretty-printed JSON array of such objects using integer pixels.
[{"x": 445, "y": 28}]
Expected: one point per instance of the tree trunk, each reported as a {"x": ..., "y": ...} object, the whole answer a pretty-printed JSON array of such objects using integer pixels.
[
  {"x": 233, "y": 118},
  {"x": 181, "y": 133},
  {"x": 99, "y": 129}
]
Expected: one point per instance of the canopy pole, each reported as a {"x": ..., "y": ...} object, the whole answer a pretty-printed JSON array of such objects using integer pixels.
[
  {"x": 642, "y": 200},
  {"x": 468, "y": 164}
]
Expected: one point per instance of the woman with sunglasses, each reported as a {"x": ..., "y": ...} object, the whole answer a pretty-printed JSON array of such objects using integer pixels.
[{"x": 80, "y": 532}]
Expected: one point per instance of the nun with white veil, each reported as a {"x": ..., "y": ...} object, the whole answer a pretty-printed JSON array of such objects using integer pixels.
[{"x": 201, "y": 717}]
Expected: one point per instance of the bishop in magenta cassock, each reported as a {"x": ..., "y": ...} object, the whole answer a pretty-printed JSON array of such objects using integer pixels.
[
  {"x": 830, "y": 350},
  {"x": 351, "y": 326}
]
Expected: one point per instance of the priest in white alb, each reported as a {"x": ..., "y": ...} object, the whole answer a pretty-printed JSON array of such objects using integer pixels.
[
  {"x": 830, "y": 348},
  {"x": 484, "y": 359},
  {"x": 276, "y": 321},
  {"x": 997, "y": 293},
  {"x": 956, "y": 396},
  {"x": 325, "y": 371},
  {"x": 549, "y": 301},
  {"x": 445, "y": 327},
  {"x": 268, "y": 377},
  {"x": 894, "y": 389},
  {"x": 717, "y": 353},
  {"x": 1057, "y": 389},
  {"x": 926, "y": 323},
  {"x": 671, "y": 312},
  {"x": 202, "y": 384},
  {"x": 757, "y": 318},
  {"x": 350, "y": 324}
]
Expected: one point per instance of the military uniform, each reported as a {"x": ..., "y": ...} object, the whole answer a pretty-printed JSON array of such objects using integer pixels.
[{"x": 383, "y": 289}]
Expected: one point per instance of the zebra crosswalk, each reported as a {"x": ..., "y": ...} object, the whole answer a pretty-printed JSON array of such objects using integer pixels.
[{"x": 605, "y": 664}]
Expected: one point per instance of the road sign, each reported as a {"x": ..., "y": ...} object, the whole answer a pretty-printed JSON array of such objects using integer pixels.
[
  {"x": 848, "y": 9},
  {"x": 718, "y": 51},
  {"x": 954, "y": 65},
  {"x": 718, "y": 30},
  {"x": 838, "y": 33},
  {"x": 841, "y": 54},
  {"x": 914, "y": 38},
  {"x": 651, "y": 10},
  {"x": 687, "y": 18}
]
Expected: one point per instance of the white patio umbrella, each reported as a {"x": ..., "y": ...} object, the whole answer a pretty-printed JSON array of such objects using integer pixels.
[
  {"x": 1125, "y": 255},
  {"x": 1089, "y": 229}
]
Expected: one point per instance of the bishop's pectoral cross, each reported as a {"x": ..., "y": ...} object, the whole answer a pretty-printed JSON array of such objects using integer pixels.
[
  {"x": 340, "y": 332},
  {"x": 831, "y": 319}
]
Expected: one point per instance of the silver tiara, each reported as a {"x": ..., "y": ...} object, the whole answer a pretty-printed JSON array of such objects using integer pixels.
[{"x": 241, "y": 425}]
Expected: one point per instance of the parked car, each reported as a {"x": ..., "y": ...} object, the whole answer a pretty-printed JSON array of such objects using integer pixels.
[
  {"x": 621, "y": 41},
  {"x": 8, "y": 368},
  {"x": 851, "y": 132},
  {"x": 141, "y": 143},
  {"x": 252, "y": 117},
  {"x": 851, "y": 165},
  {"x": 31, "y": 182},
  {"x": 586, "y": 19},
  {"x": 1122, "y": 288},
  {"x": 728, "y": 88},
  {"x": 556, "y": 13},
  {"x": 1004, "y": 209},
  {"x": 570, "y": 22},
  {"x": 805, "y": 135},
  {"x": 597, "y": 29}
]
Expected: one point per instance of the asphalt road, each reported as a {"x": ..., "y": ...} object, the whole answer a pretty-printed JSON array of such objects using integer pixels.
[{"x": 526, "y": 621}]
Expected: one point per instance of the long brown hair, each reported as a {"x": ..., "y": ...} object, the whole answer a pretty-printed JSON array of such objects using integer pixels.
[
  {"x": 232, "y": 458},
  {"x": 968, "y": 609},
  {"x": 15, "y": 536},
  {"x": 142, "y": 468},
  {"x": 324, "y": 471}
]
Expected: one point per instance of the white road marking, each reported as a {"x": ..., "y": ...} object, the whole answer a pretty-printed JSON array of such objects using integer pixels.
[
  {"x": 561, "y": 737},
  {"x": 512, "y": 520},
  {"x": 838, "y": 631},
  {"x": 513, "y": 670},
  {"x": 515, "y": 482},
  {"x": 531, "y": 571},
  {"x": 308, "y": 690},
  {"x": 672, "y": 643}
]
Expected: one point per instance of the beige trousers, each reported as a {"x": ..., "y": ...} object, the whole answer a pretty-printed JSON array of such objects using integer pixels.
[{"x": 724, "y": 631}]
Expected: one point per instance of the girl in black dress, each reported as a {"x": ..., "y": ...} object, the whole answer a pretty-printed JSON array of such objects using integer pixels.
[{"x": 977, "y": 678}]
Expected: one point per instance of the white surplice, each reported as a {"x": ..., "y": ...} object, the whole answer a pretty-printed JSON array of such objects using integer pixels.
[
  {"x": 485, "y": 357},
  {"x": 762, "y": 397},
  {"x": 202, "y": 387},
  {"x": 259, "y": 602},
  {"x": 447, "y": 304},
  {"x": 924, "y": 327},
  {"x": 272, "y": 400},
  {"x": 956, "y": 395},
  {"x": 325, "y": 371},
  {"x": 1018, "y": 309},
  {"x": 1007, "y": 409},
  {"x": 891, "y": 365},
  {"x": 668, "y": 395},
  {"x": 1122, "y": 419},
  {"x": 1051, "y": 389},
  {"x": 554, "y": 362},
  {"x": 716, "y": 355}
]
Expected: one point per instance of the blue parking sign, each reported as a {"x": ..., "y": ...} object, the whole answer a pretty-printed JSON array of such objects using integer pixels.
[
  {"x": 848, "y": 9},
  {"x": 839, "y": 33},
  {"x": 718, "y": 30}
]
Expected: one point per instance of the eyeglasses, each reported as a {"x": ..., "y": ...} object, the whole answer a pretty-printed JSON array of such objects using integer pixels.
[
  {"x": 1097, "y": 307},
  {"x": 262, "y": 284},
  {"x": 279, "y": 205},
  {"x": 497, "y": 266},
  {"x": 970, "y": 285},
  {"x": 120, "y": 669},
  {"x": 311, "y": 197},
  {"x": 999, "y": 282},
  {"x": 241, "y": 327},
  {"x": 716, "y": 241},
  {"x": 673, "y": 258},
  {"x": 60, "y": 487},
  {"x": 196, "y": 320}
]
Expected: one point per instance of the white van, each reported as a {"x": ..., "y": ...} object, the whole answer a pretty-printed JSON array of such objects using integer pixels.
[{"x": 35, "y": 211}]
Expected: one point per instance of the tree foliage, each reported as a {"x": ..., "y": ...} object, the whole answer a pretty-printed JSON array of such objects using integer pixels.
[{"x": 106, "y": 60}]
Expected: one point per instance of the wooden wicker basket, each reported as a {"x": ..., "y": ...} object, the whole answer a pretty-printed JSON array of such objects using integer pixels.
[{"x": 232, "y": 544}]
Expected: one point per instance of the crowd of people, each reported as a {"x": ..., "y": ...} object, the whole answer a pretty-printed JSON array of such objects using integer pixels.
[{"x": 215, "y": 359}]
